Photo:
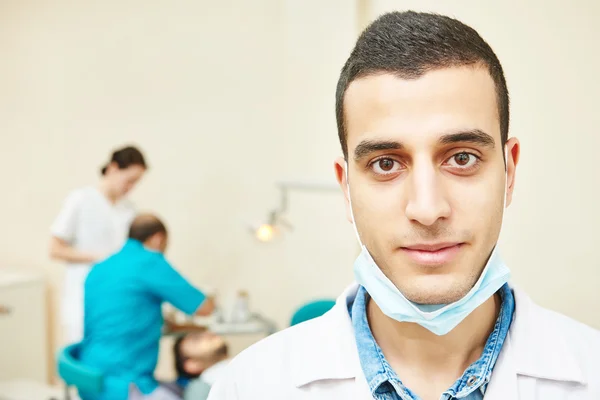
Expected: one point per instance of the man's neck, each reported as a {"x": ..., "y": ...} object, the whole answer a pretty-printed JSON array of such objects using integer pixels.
[
  {"x": 428, "y": 363},
  {"x": 104, "y": 189}
]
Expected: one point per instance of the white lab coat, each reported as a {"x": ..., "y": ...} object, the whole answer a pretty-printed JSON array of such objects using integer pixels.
[
  {"x": 546, "y": 356},
  {"x": 90, "y": 223}
]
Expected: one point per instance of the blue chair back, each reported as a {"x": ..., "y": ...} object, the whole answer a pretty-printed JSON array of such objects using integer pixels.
[
  {"x": 312, "y": 310},
  {"x": 73, "y": 373}
]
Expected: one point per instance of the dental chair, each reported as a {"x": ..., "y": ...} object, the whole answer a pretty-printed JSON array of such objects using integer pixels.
[
  {"x": 86, "y": 380},
  {"x": 312, "y": 309}
]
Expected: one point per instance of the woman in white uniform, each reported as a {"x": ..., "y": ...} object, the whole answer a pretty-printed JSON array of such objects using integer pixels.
[{"x": 93, "y": 224}]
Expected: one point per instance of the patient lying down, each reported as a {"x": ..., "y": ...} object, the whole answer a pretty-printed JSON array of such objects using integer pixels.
[{"x": 200, "y": 358}]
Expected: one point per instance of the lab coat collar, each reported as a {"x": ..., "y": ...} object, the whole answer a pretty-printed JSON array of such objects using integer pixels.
[
  {"x": 533, "y": 347},
  {"x": 503, "y": 384},
  {"x": 539, "y": 343},
  {"x": 330, "y": 351}
]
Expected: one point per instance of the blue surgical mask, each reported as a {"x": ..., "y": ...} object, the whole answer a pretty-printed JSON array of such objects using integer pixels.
[{"x": 439, "y": 319}]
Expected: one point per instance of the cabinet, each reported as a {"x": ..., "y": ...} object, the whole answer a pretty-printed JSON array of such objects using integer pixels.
[{"x": 23, "y": 327}]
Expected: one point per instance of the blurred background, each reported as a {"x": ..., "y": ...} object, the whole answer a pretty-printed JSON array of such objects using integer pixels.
[{"x": 228, "y": 98}]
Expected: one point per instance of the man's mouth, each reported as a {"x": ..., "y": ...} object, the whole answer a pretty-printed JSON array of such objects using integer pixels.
[{"x": 432, "y": 254}]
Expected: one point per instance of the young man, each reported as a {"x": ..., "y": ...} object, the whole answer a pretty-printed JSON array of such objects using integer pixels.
[
  {"x": 428, "y": 168},
  {"x": 200, "y": 359},
  {"x": 123, "y": 313}
]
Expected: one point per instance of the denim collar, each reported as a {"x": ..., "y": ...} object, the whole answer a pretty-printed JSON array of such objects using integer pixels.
[
  {"x": 382, "y": 379},
  {"x": 524, "y": 353}
]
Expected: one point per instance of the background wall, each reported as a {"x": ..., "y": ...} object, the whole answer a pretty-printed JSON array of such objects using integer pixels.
[
  {"x": 227, "y": 97},
  {"x": 547, "y": 50}
]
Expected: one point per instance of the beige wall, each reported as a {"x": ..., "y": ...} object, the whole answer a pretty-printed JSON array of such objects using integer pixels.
[
  {"x": 548, "y": 50},
  {"x": 225, "y": 98},
  {"x": 228, "y": 97}
]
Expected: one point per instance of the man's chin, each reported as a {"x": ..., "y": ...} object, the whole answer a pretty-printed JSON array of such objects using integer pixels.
[{"x": 440, "y": 291}]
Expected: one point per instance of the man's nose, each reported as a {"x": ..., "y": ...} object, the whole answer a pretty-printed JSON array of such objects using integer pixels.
[{"x": 427, "y": 200}]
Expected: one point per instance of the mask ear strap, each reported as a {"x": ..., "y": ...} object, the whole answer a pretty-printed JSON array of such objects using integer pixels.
[
  {"x": 347, "y": 181},
  {"x": 505, "y": 177},
  {"x": 505, "y": 192},
  {"x": 350, "y": 204}
]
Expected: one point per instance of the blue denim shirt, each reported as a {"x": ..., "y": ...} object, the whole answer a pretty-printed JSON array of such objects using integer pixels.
[{"x": 386, "y": 385}]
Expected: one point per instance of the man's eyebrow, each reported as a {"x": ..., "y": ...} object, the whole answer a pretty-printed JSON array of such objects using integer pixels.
[
  {"x": 367, "y": 147},
  {"x": 474, "y": 136}
]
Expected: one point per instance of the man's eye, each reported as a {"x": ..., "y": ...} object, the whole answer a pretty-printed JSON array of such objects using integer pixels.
[
  {"x": 385, "y": 166},
  {"x": 463, "y": 160}
]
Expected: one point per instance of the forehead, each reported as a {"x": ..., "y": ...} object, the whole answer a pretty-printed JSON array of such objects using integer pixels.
[
  {"x": 190, "y": 341},
  {"x": 196, "y": 337},
  {"x": 133, "y": 171},
  {"x": 419, "y": 111}
]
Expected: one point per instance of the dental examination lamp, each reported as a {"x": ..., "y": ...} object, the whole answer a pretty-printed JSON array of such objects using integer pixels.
[{"x": 276, "y": 219}]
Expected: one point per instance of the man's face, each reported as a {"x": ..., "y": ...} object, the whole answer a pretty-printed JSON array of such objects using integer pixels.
[
  {"x": 124, "y": 180},
  {"x": 427, "y": 177},
  {"x": 205, "y": 347}
]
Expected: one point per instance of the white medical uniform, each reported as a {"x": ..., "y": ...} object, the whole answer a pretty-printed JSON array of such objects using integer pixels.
[
  {"x": 199, "y": 388},
  {"x": 89, "y": 222},
  {"x": 213, "y": 373},
  {"x": 546, "y": 356}
]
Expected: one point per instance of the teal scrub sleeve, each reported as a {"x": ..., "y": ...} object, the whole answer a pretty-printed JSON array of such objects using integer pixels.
[{"x": 168, "y": 285}]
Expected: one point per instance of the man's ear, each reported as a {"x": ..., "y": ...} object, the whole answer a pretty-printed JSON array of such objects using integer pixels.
[
  {"x": 513, "y": 152},
  {"x": 341, "y": 174},
  {"x": 154, "y": 241},
  {"x": 163, "y": 239}
]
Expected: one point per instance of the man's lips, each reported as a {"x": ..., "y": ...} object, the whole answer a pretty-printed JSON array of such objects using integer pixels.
[{"x": 432, "y": 254}]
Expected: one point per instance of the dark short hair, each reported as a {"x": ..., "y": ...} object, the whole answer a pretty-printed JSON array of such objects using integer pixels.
[
  {"x": 409, "y": 44},
  {"x": 180, "y": 359},
  {"x": 145, "y": 226},
  {"x": 125, "y": 158}
]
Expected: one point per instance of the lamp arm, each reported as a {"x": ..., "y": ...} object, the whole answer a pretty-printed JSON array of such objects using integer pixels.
[
  {"x": 286, "y": 186},
  {"x": 284, "y": 199},
  {"x": 276, "y": 216}
]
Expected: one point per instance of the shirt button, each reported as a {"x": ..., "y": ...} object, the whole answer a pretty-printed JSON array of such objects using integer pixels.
[{"x": 471, "y": 381}]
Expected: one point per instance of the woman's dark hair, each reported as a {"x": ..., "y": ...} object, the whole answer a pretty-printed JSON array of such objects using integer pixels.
[{"x": 126, "y": 157}]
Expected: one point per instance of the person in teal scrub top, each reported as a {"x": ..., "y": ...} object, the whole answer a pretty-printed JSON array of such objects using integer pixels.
[{"x": 123, "y": 313}]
